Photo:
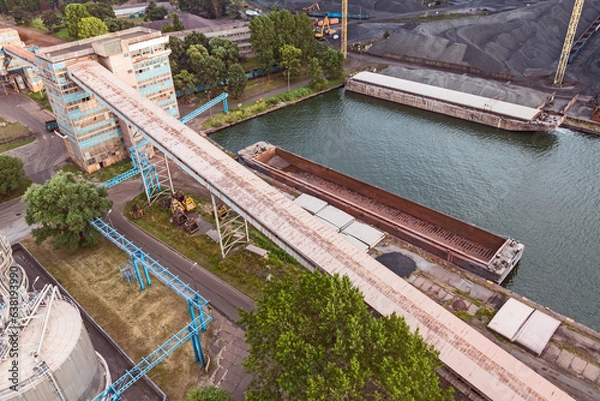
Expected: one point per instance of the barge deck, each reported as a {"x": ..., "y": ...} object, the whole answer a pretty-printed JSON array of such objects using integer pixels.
[
  {"x": 492, "y": 112},
  {"x": 471, "y": 248}
]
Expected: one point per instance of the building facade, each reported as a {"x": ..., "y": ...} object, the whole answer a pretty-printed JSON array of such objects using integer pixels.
[
  {"x": 94, "y": 136},
  {"x": 17, "y": 65}
]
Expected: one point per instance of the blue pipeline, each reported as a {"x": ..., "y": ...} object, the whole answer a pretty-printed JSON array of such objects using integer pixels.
[{"x": 222, "y": 97}]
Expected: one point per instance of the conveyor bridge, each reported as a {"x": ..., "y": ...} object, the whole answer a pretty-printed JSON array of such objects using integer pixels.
[{"x": 477, "y": 360}]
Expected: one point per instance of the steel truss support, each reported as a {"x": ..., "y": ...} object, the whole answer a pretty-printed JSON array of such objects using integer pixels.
[
  {"x": 154, "y": 168},
  {"x": 232, "y": 228},
  {"x": 570, "y": 36}
]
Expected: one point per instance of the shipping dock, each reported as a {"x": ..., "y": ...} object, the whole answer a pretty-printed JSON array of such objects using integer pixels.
[
  {"x": 464, "y": 245},
  {"x": 488, "y": 111}
]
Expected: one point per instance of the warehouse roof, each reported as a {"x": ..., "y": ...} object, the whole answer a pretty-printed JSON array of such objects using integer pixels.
[{"x": 451, "y": 96}]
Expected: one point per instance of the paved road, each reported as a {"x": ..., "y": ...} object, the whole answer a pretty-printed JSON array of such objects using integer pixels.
[
  {"x": 48, "y": 150},
  {"x": 221, "y": 295}
]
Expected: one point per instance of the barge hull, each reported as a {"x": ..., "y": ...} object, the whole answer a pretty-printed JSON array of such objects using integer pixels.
[
  {"x": 420, "y": 101},
  {"x": 469, "y": 247}
]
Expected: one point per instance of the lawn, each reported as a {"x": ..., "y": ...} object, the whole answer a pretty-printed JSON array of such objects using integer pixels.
[
  {"x": 137, "y": 320},
  {"x": 101, "y": 175},
  {"x": 13, "y": 135},
  {"x": 241, "y": 269}
]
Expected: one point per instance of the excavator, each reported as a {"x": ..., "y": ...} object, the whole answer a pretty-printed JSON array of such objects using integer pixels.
[{"x": 325, "y": 29}]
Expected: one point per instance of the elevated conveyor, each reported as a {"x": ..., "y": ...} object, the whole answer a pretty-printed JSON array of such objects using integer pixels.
[{"x": 480, "y": 362}]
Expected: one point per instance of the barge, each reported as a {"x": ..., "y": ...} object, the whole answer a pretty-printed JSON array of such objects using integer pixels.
[
  {"x": 478, "y": 109},
  {"x": 459, "y": 243}
]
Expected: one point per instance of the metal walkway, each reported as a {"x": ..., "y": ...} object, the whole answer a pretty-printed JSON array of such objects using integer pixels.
[{"x": 480, "y": 362}]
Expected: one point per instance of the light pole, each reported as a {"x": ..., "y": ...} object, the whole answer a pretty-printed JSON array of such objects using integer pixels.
[
  {"x": 109, "y": 220},
  {"x": 192, "y": 274}
]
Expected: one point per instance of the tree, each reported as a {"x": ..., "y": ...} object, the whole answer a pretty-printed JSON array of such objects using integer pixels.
[
  {"x": 62, "y": 208},
  {"x": 262, "y": 38},
  {"x": 167, "y": 27},
  {"x": 100, "y": 10},
  {"x": 196, "y": 55},
  {"x": 50, "y": 20},
  {"x": 333, "y": 63},
  {"x": 91, "y": 26},
  {"x": 225, "y": 49},
  {"x": 305, "y": 36},
  {"x": 208, "y": 394},
  {"x": 12, "y": 174},
  {"x": 154, "y": 13},
  {"x": 21, "y": 16},
  {"x": 73, "y": 14},
  {"x": 291, "y": 61},
  {"x": 236, "y": 80},
  {"x": 118, "y": 24},
  {"x": 315, "y": 339},
  {"x": 315, "y": 71},
  {"x": 212, "y": 73},
  {"x": 177, "y": 24},
  {"x": 185, "y": 82}
]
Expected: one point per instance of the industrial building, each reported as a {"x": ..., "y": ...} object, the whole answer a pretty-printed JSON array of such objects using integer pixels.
[
  {"x": 17, "y": 65},
  {"x": 94, "y": 136},
  {"x": 45, "y": 350}
]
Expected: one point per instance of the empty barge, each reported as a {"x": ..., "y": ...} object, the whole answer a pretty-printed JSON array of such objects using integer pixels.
[
  {"x": 464, "y": 245},
  {"x": 478, "y": 109}
]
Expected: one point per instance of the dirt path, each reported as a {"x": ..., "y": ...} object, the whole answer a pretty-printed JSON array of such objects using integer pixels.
[{"x": 31, "y": 36}]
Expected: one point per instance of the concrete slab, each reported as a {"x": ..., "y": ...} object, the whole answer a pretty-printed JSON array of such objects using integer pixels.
[
  {"x": 257, "y": 251},
  {"x": 335, "y": 216},
  {"x": 536, "y": 332},
  {"x": 564, "y": 359},
  {"x": 356, "y": 242},
  {"x": 310, "y": 203},
  {"x": 510, "y": 318},
  {"x": 481, "y": 293},
  {"x": 551, "y": 352},
  {"x": 578, "y": 365},
  {"x": 591, "y": 372},
  {"x": 365, "y": 233}
]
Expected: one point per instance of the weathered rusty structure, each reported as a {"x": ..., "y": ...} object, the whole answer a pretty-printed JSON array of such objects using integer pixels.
[
  {"x": 462, "y": 244},
  {"x": 478, "y": 109}
]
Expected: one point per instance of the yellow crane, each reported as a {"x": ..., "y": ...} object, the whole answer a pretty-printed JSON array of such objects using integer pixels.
[
  {"x": 344, "y": 44},
  {"x": 564, "y": 56}
]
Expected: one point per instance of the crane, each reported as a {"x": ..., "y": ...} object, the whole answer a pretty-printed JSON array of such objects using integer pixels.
[
  {"x": 564, "y": 56},
  {"x": 344, "y": 45}
]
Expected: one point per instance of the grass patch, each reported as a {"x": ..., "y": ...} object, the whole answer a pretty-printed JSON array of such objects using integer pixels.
[
  {"x": 25, "y": 183},
  {"x": 101, "y": 175},
  {"x": 485, "y": 314},
  {"x": 261, "y": 106},
  {"x": 463, "y": 315},
  {"x": 15, "y": 144},
  {"x": 40, "y": 99},
  {"x": 63, "y": 34},
  {"x": 12, "y": 131},
  {"x": 137, "y": 320},
  {"x": 243, "y": 270},
  {"x": 469, "y": 297}
]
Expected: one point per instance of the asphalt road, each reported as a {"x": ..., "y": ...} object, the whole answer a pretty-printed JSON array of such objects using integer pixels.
[
  {"x": 48, "y": 150},
  {"x": 224, "y": 298}
]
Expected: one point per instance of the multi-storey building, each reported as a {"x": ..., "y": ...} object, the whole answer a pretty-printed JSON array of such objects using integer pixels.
[
  {"x": 94, "y": 136},
  {"x": 17, "y": 62}
]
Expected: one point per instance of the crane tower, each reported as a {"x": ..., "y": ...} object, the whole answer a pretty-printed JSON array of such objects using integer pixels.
[
  {"x": 345, "y": 28},
  {"x": 564, "y": 56}
]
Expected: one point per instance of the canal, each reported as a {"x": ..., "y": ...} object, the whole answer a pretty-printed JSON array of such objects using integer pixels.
[{"x": 542, "y": 189}]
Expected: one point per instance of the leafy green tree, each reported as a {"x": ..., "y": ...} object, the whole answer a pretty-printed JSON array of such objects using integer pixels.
[
  {"x": 185, "y": 82},
  {"x": 62, "y": 208},
  {"x": 291, "y": 61},
  {"x": 212, "y": 73},
  {"x": 236, "y": 80},
  {"x": 315, "y": 71},
  {"x": 225, "y": 49},
  {"x": 177, "y": 24},
  {"x": 167, "y": 27},
  {"x": 12, "y": 174},
  {"x": 21, "y": 16},
  {"x": 262, "y": 38},
  {"x": 333, "y": 63},
  {"x": 154, "y": 13},
  {"x": 208, "y": 394},
  {"x": 196, "y": 38},
  {"x": 196, "y": 55},
  {"x": 316, "y": 339},
  {"x": 305, "y": 36},
  {"x": 90, "y": 27},
  {"x": 284, "y": 26},
  {"x": 73, "y": 14},
  {"x": 100, "y": 10},
  {"x": 51, "y": 20},
  {"x": 118, "y": 24}
]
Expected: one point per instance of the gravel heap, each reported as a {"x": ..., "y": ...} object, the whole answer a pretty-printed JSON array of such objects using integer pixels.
[{"x": 525, "y": 42}]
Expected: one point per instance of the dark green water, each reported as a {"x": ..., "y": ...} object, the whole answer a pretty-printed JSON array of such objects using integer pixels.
[{"x": 542, "y": 189}]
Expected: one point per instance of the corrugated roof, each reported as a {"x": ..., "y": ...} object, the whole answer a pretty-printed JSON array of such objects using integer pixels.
[
  {"x": 364, "y": 232},
  {"x": 537, "y": 331},
  {"x": 310, "y": 203},
  {"x": 451, "y": 96},
  {"x": 510, "y": 318}
]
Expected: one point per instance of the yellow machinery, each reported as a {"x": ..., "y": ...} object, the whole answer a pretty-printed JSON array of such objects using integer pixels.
[
  {"x": 325, "y": 29},
  {"x": 344, "y": 44},
  {"x": 312, "y": 7},
  {"x": 176, "y": 206},
  {"x": 564, "y": 56}
]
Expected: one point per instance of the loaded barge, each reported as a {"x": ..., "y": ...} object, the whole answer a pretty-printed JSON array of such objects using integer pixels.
[
  {"x": 466, "y": 106},
  {"x": 456, "y": 242}
]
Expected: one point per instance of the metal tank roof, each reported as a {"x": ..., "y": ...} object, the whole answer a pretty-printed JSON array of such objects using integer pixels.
[{"x": 450, "y": 96}]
